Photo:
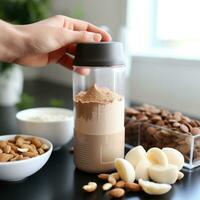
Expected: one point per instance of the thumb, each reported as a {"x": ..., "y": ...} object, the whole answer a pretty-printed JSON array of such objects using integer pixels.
[{"x": 81, "y": 36}]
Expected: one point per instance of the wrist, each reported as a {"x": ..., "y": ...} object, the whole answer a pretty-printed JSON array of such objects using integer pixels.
[{"x": 12, "y": 42}]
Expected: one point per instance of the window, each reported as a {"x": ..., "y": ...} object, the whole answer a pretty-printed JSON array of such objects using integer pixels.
[{"x": 164, "y": 27}]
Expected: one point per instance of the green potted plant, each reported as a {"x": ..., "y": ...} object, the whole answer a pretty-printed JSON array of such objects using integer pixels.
[{"x": 11, "y": 75}]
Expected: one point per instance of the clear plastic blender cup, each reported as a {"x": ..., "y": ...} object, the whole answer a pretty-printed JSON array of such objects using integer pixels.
[{"x": 98, "y": 94}]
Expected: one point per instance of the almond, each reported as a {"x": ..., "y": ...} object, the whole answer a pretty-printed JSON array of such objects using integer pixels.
[
  {"x": 103, "y": 176},
  {"x": 22, "y": 150},
  {"x": 29, "y": 154},
  {"x": 2, "y": 144},
  {"x": 4, "y": 157},
  {"x": 184, "y": 128},
  {"x": 27, "y": 146},
  {"x": 107, "y": 186},
  {"x": 134, "y": 187},
  {"x": 90, "y": 187},
  {"x": 6, "y": 149},
  {"x": 41, "y": 151},
  {"x": 19, "y": 141},
  {"x": 117, "y": 193},
  {"x": 120, "y": 184},
  {"x": 112, "y": 180},
  {"x": 195, "y": 131},
  {"x": 36, "y": 142},
  {"x": 45, "y": 147}
]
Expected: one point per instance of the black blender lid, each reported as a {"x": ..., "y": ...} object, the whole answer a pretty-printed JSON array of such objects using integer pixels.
[{"x": 99, "y": 54}]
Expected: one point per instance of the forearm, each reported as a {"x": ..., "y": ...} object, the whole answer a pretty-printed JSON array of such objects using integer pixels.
[{"x": 12, "y": 42}]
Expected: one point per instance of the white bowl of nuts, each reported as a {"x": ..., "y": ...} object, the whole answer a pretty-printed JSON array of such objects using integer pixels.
[
  {"x": 55, "y": 124},
  {"x": 22, "y": 155}
]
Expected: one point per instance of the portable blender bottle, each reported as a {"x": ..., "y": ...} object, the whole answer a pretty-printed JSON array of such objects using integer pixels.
[{"x": 98, "y": 94}]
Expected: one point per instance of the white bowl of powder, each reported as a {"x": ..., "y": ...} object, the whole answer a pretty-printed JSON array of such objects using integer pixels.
[{"x": 54, "y": 124}]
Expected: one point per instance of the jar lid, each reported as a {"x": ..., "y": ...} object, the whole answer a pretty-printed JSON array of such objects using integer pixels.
[{"x": 99, "y": 54}]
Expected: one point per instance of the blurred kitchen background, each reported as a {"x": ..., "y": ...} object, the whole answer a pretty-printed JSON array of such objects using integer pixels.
[{"x": 161, "y": 41}]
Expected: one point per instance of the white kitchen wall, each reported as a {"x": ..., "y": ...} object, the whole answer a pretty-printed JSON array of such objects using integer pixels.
[{"x": 170, "y": 83}]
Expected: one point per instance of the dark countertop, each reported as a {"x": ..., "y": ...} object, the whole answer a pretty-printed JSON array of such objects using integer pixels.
[{"x": 58, "y": 179}]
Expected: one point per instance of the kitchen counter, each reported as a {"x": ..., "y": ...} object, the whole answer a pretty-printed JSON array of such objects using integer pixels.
[{"x": 59, "y": 179}]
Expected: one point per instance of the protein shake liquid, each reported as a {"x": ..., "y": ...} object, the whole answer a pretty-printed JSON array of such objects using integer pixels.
[{"x": 99, "y": 106}]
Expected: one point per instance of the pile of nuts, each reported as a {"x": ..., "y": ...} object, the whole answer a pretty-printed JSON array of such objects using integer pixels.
[
  {"x": 114, "y": 185},
  {"x": 21, "y": 148},
  {"x": 150, "y": 127},
  {"x": 154, "y": 171}
]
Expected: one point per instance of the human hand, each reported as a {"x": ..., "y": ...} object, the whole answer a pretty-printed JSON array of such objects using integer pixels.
[{"x": 54, "y": 40}]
